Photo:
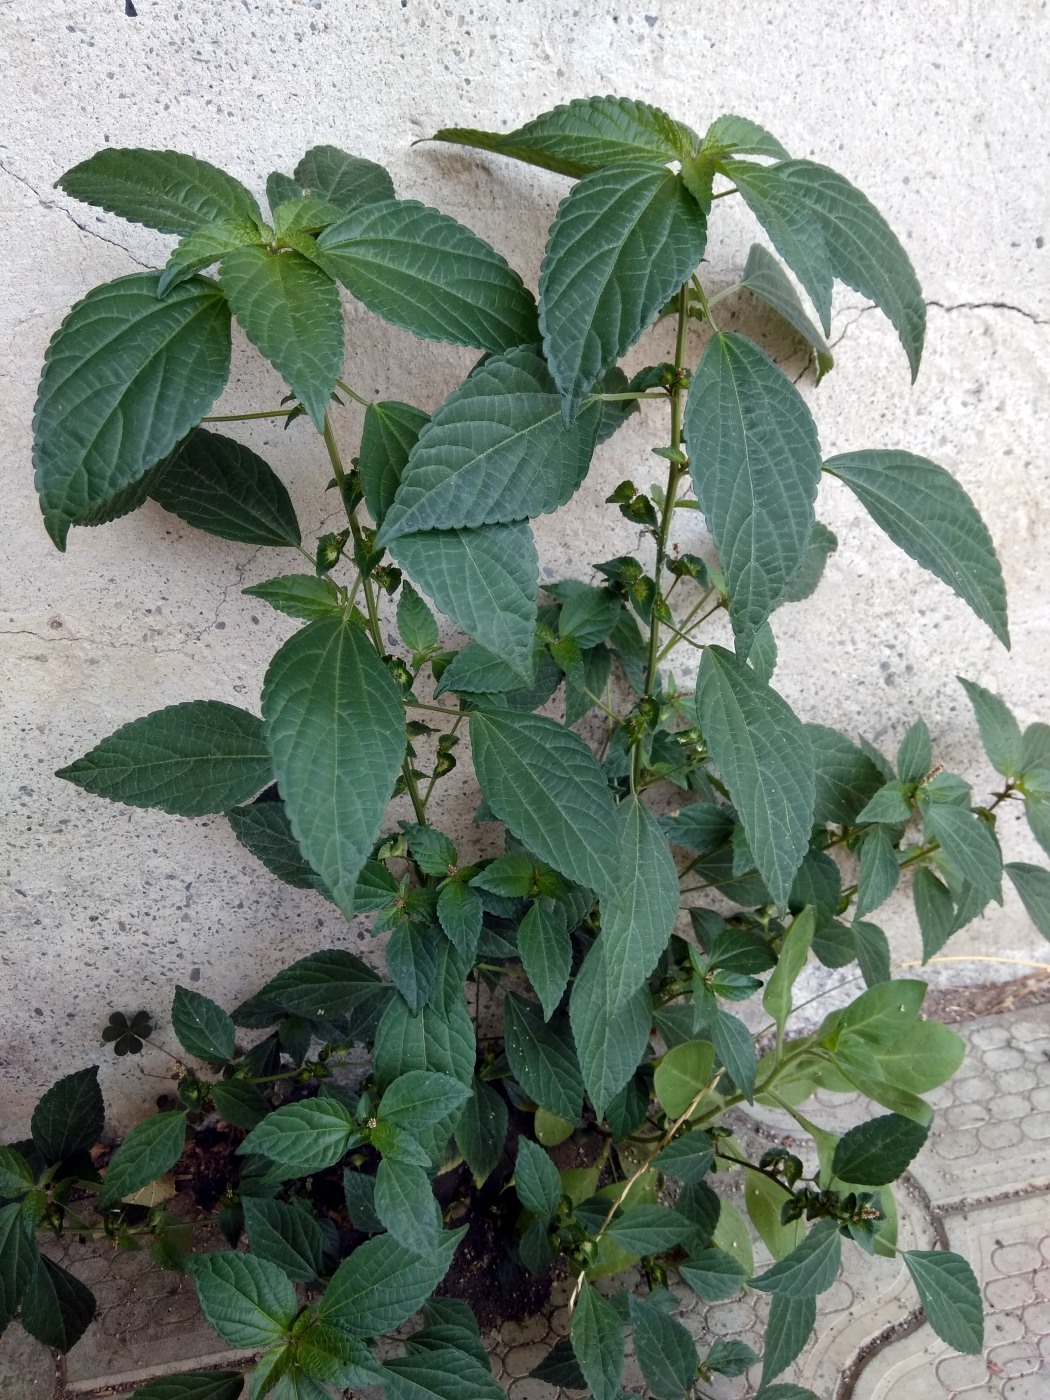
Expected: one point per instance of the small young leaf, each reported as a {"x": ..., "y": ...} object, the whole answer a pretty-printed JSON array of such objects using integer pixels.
[
  {"x": 596, "y": 1333},
  {"x": 927, "y": 513},
  {"x": 729, "y": 1358},
  {"x": 166, "y": 360},
  {"x": 242, "y": 1105},
  {"x": 382, "y": 1284},
  {"x": 624, "y": 240},
  {"x": 460, "y": 913},
  {"x": 542, "y": 1059},
  {"x": 879, "y": 1151},
  {"x": 951, "y": 1297},
  {"x": 335, "y": 724},
  {"x": 735, "y": 1047},
  {"x": 165, "y": 190},
  {"x": 890, "y": 805},
  {"x": 731, "y": 135},
  {"x": 218, "y": 485},
  {"x": 149, "y": 1150},
  {"x": 421, "y": 270},
  {"x": 649, "y": 1229},
  {"x": 204, "y": 1029},
  {"x": 249, "y": 1301},
  {"x": 412, "y": 963},
  {"x": 306, "y": 1137},
  {"x": 16, "y": 1175},
  {"x": 687, "y": 1158},
  {"x": 69, "y": 1116},
  {"x": 763, "y": 752},
  {"x": 343, "y": 180},
  {"x": 969, "y": 847},
  {"x": 846, "y": 778},
  {"x": 536, "y": 1180},
  {"x": 416, "y": 625},
  {"x": 190, "y": 759}
]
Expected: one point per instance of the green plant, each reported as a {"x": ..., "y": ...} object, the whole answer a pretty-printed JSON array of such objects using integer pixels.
[{"x": 616, "y": 1027}]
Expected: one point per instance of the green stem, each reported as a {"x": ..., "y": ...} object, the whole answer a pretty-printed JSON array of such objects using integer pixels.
[
  {"x": 374, "y": 627},
  {"x": 244, "y": 417},
  {"x": 624, "y": 398},
  {"x": 357, "y": 398}
]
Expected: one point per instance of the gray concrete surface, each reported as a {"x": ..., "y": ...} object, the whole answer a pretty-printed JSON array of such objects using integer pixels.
[
  {"x": 980, "y": 1186},
  {"x": 937, "y": 112}
]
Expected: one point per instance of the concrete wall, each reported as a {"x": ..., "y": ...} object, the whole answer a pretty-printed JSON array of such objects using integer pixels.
[{"x": 938, "y": 111}]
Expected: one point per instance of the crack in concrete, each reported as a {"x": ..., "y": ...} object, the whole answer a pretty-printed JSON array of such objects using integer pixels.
[
  {"x": 240, "y": 570},
  {"x": 46, "y": 203},
  {"x": 992, "y": 306}
]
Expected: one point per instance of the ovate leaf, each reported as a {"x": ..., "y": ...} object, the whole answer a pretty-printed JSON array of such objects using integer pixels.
[
  {"x": 263, "y": 828},
  {"x": 546, "y": 953},
  {"x": 149, "y": 1150},
  {"x": 596, "y": 1333},
  {"x": 335, "y": 724},
  {"x": 481, "y": 1130},
  {"x": 951, "y": 1297},
  {"x": 546, "y": 785},
  {"x": 202, "y": 248},
  {"x": 740, "y": 136},
  {"x": 165, "y": 190},
  {"x": 382, "y": 1284},
  {"x": 390, "y": 431},
  {"x": 1032, "y": 883},
  {"x": 223, "y": 487},
  {"x": 879, "y": 1151},
  {"x": 536, "y": 1180},
  {"x": 440, "y": 1373},
  {"x": 18, "y": 1260},
  {"x": 346, "y": 181},
  {"x": 584, "y": 135},
  {"x": 810, "y": 1268},
  {"x": 969, "y": 848},
  {"x": 496, "y": 450},
  {"x": 420, "y": 1098},
  {"x": 486, "y": 580},
  {"x": 610, "y": 1034},
  {"x": 1000, "y": 732},
  {"x": 126, "y": 376},
  {"x": 421, "y": 270},
  {"x": 204, "y": 1029},
  {"x": 406, "y": 1206},
  {"x": 823, "y": 228},
  {"x": 306, "y": 1137},
  {"x": 69, "y": 1116},
  {"x": 286, "y": 1234},
  {"x": 763, "y": 751},
  {"x": 927, "y": 513},
  {"x": 755, "y": 462},
  {"x": 249, "y": 1301},
  {"x": 195, "y": 1385},
  {"x": 766, "y": 279},
  {"x": 879, "y": 872},
  {"x": 623, "y": 242},
  {"x": 305, "y": 596},
  {"x": 665, "y": 1350},
  {"x": 191, "y": 759},
  {"x": 791, "y": 1320},
  {"x": 542, "y": 1059},
  {"x": 638, "y": 914},
  {"x": 289, "y": 309},
  {"x": 57, "y": 1308}
]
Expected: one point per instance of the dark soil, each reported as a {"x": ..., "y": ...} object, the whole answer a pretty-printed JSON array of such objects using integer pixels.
[{"x": 955, "y": 1004}]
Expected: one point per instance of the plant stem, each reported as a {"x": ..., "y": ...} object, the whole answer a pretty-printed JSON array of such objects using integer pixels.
[
  {"x": 374, "y": 628},
  {"x": 357, "y": 398},
  {"x": 244, "y": 417}
]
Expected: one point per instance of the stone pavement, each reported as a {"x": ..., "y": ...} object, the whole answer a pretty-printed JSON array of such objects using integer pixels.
[{"x": 981, "y": 1186}]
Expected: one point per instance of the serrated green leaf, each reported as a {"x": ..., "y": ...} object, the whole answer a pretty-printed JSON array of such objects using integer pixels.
[
  {"x": 623, "y": 242},
  {"x": 306, "y": 1137},
  {"x": 763, "y": 751},
  {"x": 755, "y": 462},
  {"x": 713, "y": 1274},
  {"x": 1032, "y": 883},
  {"x": 649, "y": 1229},
  {"x": 587, "y": 614},
  {"x": 388, "y": 436},
  {"x": 289, "y": 309},
  {"x": 195, "y": 1385},
  {"x": 542, "y": 1059},
  {"x": 596, "y": 1333},
  {"x": 666, "y": 1352},
  {"x": 765, "y": 278},
  {"x": 927, "y": 513},
  {"x": 735, "y": 1047},
  {"x": 286, "y": 1234},
  {"x": 263, "y": 829},
  {"x": 221, "y": 486},
  {"x": 638, "y": 913},
  {"x": 420, "y": 1098},
  {"x": 811, "y": 1267},
  {"x": 149, "y": 1150},
  {"x": 460, "y": 913},
  {"x": 421, "y": 270},
  {"x": 69, "y": 1116},
  {"x": 1000, "y": 732},
  {"x": 440, "y": 1373},
  {"x": 486, "y": 580},
  {"x": 16, "y": 1175},
  {"x": 777, "y": 998},
  {"x": 299, "y": 595},
  {"x": 951, "y": 1297},
  {"x": 165, "y": 190},
  {"x": 477, "y": 672},
  {"x": 497, "y": 450},
  {"x": 822, "y": 544},
  {"x": 412, "y": 963},
  {"x": 536, "y": 1180},
  {"x": 681, "y": 1073},
  {"x": 791, "y": 1320},
  {"x": 729, "y": 1357},
  {"x": 545, "y": 784},
  {"x": 878, "y": 873},
  {"x": 481, "y": 1130},
  {"x": 203, "y": 247},
  {"x": 416, "y": 625},
  {"x": 823, "y": 228},
  {"x": 915, "y": 753},
  {"x": 249, "y": 1301},
  {"x": 846, "y": 778},
  {"x": 890, "y": 805},
  {"x": 335, "y": 724},
  {"x": 165, "y": 362},
  {"x": 382, "y": 1284},
  {"x": 404, "y": 1202},
  {"x": 584, "y": 135},
  {"x": 700, "y": 827},
  {"x": 878, "y": 1151},
  {"x": 742, "y": 137},
  {"x": 18, "y": 1260},
  {"x": 611, "y": 1028},
  {"x": 546, "y": 953},
  {"x": 242, "y": 1105},
  {"x": 190, "y": 759},
  {"x": 204, "y": 1029},
  {"x": 303, "y": 214},
  {"x": 968, "y": 846},
  {"x": 343, "y": 180},
  {"x": 57, "y": 1308},
  {"x": 873, "y": 952}
]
